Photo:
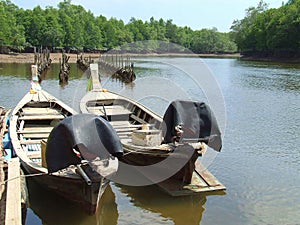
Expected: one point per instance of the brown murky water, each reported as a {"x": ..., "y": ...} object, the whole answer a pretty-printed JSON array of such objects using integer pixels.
[{"x": 259, "y": 163}]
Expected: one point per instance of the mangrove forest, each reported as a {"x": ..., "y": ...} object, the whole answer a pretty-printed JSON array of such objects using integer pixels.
[{"x": 262, "y": 32}]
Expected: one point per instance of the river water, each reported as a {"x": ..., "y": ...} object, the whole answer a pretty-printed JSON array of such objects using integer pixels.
[{"x": 258, "y": 107}]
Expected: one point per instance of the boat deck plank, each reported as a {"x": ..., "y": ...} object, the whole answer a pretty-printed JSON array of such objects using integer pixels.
[
  {"x": 42, "y": 117},
  {"x": 206, "y": 175},
  {"x": 202, "y": 181},
  {"x": 36, "y": 135},
  {"x": 27, "y": 142},
  {"x": 125, "y": 129},
  {"x": 35, "y": 111},
  {"x": 110, "y": 110},
  {"x": 138, "y": 119},
  {"x": 34, "y": 130}
]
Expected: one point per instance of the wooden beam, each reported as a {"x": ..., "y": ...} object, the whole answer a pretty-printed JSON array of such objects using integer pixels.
[
  {"x": 28, "y": 142},
  {"x": 13, "y": 199},
  {"x": 210, "y": 179},
  {"x": 35, "y": 111},
  {"x": 95, "y": 76},
  {"x": 42, "y": 117},
  {"x": 36, "y": 135},
  {"x": 138, "y": 119}
]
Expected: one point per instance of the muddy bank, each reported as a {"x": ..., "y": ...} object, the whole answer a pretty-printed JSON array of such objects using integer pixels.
[{"x": 29, "y": 57}]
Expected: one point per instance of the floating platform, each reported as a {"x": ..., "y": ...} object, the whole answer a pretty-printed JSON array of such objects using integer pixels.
[{"x": 202, "y": 182}]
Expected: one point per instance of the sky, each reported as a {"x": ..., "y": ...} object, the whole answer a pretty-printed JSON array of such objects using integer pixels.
[{"x": 196, "y": 14}]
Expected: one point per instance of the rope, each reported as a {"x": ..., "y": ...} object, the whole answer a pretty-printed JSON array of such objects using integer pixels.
[
  {"x": 23, "y": 176},
  {"x": 37, "y": 174}
]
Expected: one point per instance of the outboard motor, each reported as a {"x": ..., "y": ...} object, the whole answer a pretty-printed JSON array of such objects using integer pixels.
[
  {"x": 81, "y": 137},
  {"x": 189, "y": 120}
]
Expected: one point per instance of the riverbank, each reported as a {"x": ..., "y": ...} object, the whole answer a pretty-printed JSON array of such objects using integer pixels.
[
  {"x": 271, "y": 59},
  {"x": 29, "y": 57}
]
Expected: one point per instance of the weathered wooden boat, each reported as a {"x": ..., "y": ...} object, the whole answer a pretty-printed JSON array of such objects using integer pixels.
[
  {"x": 52, "y": 142},
  {"x": 171, "y": 143}
]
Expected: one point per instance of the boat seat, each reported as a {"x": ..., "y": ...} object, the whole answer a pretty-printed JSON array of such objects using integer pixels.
[
  {"x": 34, "y": 141},
  {"x": 35, "y": 130},
  {"x": 125, "y": 129},
  {"x": 36, "y": 135},
  {"x": 41, "y": 117},
  {"x": 114, "y": 110},
  {"x": 40, "y": 111}
]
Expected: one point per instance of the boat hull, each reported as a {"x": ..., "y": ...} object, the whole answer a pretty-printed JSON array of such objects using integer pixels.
[
  {"x": 30, "y": 124},
  {"x": 72, "y": 189}
]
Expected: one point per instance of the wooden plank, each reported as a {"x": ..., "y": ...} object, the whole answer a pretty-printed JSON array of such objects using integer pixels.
[
  {"x": 138, "y": 119},
  {"x": 42, "y": 117},
  {"x": 206, "y": 175},
  {"x": 128, "y": 125},
  {"x": 120, "y": 123},
  {"x": 27, "y": 142},
  {"x": 95, "y": 76},
  {"x": 34, "y": 130},
  {"x": 202, "y": 182},
  {"x": 37, "y": 126},
  {"x": 13, "y": 201},
  {"x": 198, "y": 185},
  {"x": 34, "y": 111},
  {"x": 125, "y": 129},
  {"x": 36, "y": 135},
  {"x": 34, "y": 154},
  {"x": 110, "y": 111}
]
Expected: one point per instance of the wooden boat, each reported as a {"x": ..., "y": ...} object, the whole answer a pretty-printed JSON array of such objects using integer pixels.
[
  {"x": 144, "y": 137},
  {"x": 37, "y": 116}
]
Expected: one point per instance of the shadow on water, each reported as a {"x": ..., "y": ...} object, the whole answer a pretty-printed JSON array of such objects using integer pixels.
[
  {"x": 181, "y": 210},
  {"x": 52, "y": 209}
]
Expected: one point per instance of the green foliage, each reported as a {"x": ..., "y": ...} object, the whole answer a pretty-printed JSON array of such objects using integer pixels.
[
  {"x": 11, "y": 33},
  {"x": 72, "y": 26},
  {"x": 269, "y": 30}
]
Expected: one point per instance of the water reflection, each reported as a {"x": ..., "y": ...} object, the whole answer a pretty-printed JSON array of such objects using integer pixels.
[
  {"x": 52, "y": 209},
  {"x": 181, "y": 210},
  {"x": 15, "y": 70},
  {"x": 270, "y": 76}
]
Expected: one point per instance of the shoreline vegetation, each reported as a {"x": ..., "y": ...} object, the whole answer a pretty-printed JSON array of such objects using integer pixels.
[
  {"x": 258, "y": 36},
  {"x": 55, "y": 57}
]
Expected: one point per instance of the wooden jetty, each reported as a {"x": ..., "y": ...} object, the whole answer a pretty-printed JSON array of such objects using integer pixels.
[{"x": 119, "y": 66}]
